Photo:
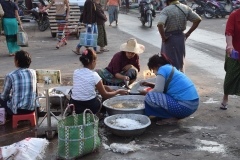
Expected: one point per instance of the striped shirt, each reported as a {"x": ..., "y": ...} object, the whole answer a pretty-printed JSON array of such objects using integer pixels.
[
  {"x": 174, "y": 19},
  {"x": 84, "y": 82},
  {"x": 20, "y": 87}
]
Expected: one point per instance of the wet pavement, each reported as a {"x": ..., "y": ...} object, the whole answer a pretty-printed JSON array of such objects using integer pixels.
[{"x": 209, "y": 134}]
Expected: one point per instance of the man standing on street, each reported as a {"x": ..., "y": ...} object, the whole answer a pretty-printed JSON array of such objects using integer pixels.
[{"x": 174, "y": 19}]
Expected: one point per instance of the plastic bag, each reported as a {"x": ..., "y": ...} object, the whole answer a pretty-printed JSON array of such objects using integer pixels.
[{"x": 22, "y": 39}]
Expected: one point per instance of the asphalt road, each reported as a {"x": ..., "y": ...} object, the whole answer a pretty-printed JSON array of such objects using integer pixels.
[{"x": 208, "y": 134}]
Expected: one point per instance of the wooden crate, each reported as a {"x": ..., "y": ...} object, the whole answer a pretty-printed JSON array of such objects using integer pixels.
[{"x": 72, "y": 24}]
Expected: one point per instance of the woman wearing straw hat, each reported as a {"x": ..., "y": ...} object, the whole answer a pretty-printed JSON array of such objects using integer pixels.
[{"x": 124, "y": 64}]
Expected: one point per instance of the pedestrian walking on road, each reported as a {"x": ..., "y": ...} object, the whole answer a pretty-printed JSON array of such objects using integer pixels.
[
  {"x": 173, "y": 96},
  {"x": 174, "y": 19},
  {"x": 93, "y": 13},
  {"x": 62, "y": 14},
  {"x": 10, "y": 22},
  {"x": 101, "y": 19},
  {"x": 124, "y": 65},
  {"x": 232, "y": 63},
  {"x": 113, "y": 10}
]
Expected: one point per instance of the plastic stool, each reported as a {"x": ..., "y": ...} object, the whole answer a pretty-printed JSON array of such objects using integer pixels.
[{"x": 30, "y": 117}]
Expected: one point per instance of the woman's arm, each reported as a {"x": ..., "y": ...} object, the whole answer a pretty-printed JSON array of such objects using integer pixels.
[
  {"x": 229, "y": 47},
  {"x": 159, "y": 84},
  {"x": 105, "y": 94},
  {"x": 119, "y": 76},
  {"x": 68, "y": 9},
  {"x": 49, "y": 6},
  {"x": 18, "y": 19},
  {"x": 105, "y": 6}
]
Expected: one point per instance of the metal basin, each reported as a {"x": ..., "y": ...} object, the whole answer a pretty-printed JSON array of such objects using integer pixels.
[
  {"x": 124, "y": 132},
  {"x": 112, "y": 111}
]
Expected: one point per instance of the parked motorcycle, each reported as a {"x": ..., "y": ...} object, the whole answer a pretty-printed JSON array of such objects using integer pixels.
[
  {"x": 147, "y": 12},
  {"x": 199, "y": 6},
  {"x": 216, "y": 8}
]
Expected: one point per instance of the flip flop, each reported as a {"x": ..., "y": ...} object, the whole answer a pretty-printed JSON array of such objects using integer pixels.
[
  {"x": 104, "y": 50},
  {"x": 224, "y": 106},
  {"x": 99, "y": 52},
  {"x": 76, "y": 52}
]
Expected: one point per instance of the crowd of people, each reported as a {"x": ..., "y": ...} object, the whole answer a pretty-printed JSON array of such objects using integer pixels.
[{"x": 173, "y": 95}]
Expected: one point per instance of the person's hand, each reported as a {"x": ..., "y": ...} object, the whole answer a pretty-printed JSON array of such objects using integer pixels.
[
  {"x": 229, "y": 50},
  {"x": 144, "y": 84},
  {"x": 127, "y": 67},
  {"x": 165, "y": 38},
  {"x": 66, "y": 19},
  {"x": 187, "y": 35},
  {"x": 21, "y": 28},
  {"x": 126, "y": 78},
  {"x": 122, "y": 91}
]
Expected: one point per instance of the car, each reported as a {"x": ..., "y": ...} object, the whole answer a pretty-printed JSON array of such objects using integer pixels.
[{"x": 79, "y": 2}]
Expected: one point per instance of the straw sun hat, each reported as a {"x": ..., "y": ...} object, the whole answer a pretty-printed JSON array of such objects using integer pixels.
[{"x": 132, "y": 46}]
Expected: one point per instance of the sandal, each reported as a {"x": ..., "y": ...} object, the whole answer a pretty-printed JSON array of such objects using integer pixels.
[
  {"x": 77, "y": 53},
  {"x": 223, "y": 106},
  {"x": 99, "y": 52},
  {"x": 104, "y": 50},
  {"x": 57, "y": 46},
  {"x": 11, "y": 55}
]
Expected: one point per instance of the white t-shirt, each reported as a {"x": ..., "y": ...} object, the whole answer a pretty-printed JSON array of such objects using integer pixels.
[{"x": 84, "y": 82}]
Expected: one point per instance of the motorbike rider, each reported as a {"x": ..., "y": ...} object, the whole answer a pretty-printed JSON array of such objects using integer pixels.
[{"x": 141, "y": 6}]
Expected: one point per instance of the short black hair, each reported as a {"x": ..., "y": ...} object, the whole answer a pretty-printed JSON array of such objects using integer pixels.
[{"x": 23, "y": 59}]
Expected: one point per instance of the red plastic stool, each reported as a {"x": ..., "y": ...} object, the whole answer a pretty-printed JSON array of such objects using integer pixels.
[{"x": 30, "y": 117}]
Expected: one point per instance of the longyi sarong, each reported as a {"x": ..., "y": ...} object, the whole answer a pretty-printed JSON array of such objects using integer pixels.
[
  {"x": 109, "y": 79},
  {"x": 174, "y": 48},
  {"x": 10, "y": 27},
  {"x": 232, "y": 77},
  {"x": 164, "y": 106},
  {"x": 113, "y": 13}
]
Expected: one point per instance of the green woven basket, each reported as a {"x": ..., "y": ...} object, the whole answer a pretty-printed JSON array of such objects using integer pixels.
[{"x": 77, "y": 134}]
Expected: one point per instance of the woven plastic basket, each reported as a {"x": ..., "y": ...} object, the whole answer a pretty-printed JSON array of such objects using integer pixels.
[{"x": 77, "y": 134}]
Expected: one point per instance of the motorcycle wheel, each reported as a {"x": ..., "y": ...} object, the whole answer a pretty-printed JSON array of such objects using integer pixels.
[
  {"x": 208, "y": 15},
  {"x": 43, "y": 24},
  {"x": 149, "y": 18}
]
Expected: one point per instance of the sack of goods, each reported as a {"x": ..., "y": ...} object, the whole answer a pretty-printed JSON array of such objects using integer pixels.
[
  {"x": 89, "y": 38},
  {"x": 2, "y": 116},
  {"x": 22, "y": 39},
  {"x": 77, "y": 134}
]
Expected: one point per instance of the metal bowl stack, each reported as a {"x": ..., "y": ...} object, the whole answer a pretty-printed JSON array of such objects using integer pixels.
[{"x": 125, "y": 132}]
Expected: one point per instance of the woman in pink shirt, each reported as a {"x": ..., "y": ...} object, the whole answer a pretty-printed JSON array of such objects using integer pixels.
[{"x": 113, "y": 10}]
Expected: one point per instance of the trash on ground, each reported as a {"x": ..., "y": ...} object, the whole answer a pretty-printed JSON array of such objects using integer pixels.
[
  {"x": 27, "y": 149},
  {"x": 123, "y": 148}
]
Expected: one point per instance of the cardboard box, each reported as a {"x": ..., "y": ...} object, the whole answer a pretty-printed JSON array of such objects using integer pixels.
[{"x": 48, "y": 76}]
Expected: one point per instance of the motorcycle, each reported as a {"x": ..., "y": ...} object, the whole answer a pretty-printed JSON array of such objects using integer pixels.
[
  {"x": 215, "y": 8},
  {"x": 34, "y": 14},
  {"x": 147, "y": 12},
  {"x": 199, "y": 6}
]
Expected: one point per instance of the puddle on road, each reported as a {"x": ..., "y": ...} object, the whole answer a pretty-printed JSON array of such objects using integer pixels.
[
  {"x": 210, "y": 146},
  {"x": 196, "y": 128}
]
